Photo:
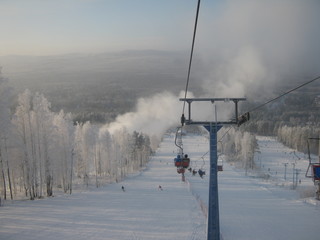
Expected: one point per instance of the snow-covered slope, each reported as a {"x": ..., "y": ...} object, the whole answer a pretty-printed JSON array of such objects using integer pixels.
[
  {"x": 250, "y": 207},
  {"x": 143, "y": 211}
]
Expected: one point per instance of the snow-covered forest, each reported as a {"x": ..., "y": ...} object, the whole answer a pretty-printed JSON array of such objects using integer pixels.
[
  {"x": 42, "y": 151},
  {"x": 238, "y": 146},
  {"x": 297, "y": 137}
]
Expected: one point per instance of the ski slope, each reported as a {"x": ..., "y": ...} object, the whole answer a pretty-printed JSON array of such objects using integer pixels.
[
  {"x": 250, "y": 207},
  {"x": 141, "y": 212}
]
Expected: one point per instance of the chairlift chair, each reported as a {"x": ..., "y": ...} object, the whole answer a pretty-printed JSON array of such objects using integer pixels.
[
  {"x": 201, "y": 171},
  {"x": 185, "y": 161},
  {"x": 315, "y": 166},
  {"x": 316, "y": 172},
  {"x": 178, "y": 161}
]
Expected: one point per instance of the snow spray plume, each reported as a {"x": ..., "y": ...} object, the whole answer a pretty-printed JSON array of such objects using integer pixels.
[
  {"x": 153, "y": 116},
  {"x": 254, "y": 46}
]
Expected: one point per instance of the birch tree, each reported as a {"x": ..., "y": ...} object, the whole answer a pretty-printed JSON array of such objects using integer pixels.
[
  {"x": 239, "y": 147},
  {"x": 106, "y": 150},
  {"x": 64, "y": 151},
  {"x": 43, "y": 130},
  {"x": 84, "y": 146},
  {"x": 5, "y": 127},
  {"x": 22, "y": 121}
]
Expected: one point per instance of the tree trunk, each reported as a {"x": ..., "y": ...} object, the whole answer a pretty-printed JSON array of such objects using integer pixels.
[
  {"x": 71, "y": 171},
  {"x": 3, "y": 178},
  {"x": 49, "y": 185},
  {"x": 8, "y": 168}
]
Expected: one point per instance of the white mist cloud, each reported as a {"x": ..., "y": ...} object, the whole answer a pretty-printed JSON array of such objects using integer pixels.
[
  {"x": 254, "y": 44},
  {"x": 153, "y": 116},
  {"x": 232, "y": 77}
]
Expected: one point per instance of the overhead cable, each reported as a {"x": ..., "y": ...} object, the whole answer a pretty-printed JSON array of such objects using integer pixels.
[
  {"x": 300, "y": 86},
  {"x": 271, "y": 100},
  {"x": 191, "y": 55}
]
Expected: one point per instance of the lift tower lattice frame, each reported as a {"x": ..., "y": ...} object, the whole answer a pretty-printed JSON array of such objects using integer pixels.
[{"x": 213, "y": 232}]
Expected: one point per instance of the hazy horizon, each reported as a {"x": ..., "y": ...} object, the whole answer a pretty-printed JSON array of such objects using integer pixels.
[{"x": 242, "y": 48}]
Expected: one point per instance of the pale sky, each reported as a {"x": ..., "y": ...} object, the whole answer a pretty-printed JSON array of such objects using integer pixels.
[{"x": 45, "y": 27}]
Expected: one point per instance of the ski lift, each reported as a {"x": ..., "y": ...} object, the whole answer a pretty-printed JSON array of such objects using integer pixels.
[
  {"x": 182, "y": 162},
  {"x": 316, "y": 172},
  {"x": 243, "y": 118},
  {"x": 220, "y": 163},
  {"x": 178, "y": 161},
  {"x": 185, "y": 161},
  {"x": 202, "y": 172}
]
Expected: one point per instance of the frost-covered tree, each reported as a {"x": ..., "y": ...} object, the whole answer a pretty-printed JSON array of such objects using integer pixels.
[
  {"x": 131, "y": 152},
  {"x": 50, "y": 151},
  {"x": 43, "y": 133},
  {"x": 64, "y": 149},
  {"x": 122, "y": 152},
  {"x": 106, "y": 152},
  {"x": 85, "y": 151},
  {"x": 22, "y": 122},
  {"x": 5, "y": 128},
  {"x": 34, "y": 131},
  {"x": 297, "y": 137},
  {"x": 238, "y": 146}
]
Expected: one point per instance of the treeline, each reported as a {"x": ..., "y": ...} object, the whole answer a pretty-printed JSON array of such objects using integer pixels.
[
  {"x": 292, "y": 120},
  {"x": 239, "y": 146},
  {"x": 293, "y": 134},
  {"x": 42, "y": 151},
  {"x": 297, "y": 137}
]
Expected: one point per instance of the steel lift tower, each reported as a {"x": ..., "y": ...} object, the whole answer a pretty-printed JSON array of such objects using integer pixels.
[{"x": 213, "y": 232}]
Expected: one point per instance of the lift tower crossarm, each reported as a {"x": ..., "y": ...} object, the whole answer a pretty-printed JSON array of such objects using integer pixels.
[{"x": 188, "y": 121}]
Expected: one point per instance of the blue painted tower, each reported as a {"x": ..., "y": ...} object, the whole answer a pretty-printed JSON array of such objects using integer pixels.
[{"x": 213, "y": 232}]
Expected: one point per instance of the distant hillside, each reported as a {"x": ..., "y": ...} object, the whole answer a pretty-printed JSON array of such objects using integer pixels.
[
  {"x": 97, "y": 86},
  {"x": 299, "y": 108}
]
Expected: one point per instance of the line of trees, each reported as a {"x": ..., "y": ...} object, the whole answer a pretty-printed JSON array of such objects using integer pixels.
[
  {"x": 296, "y": 137},
  {"x": 238, "y": 146},
  {"x": 293, "y": 134},
  {"x": 41, "y": 150}
]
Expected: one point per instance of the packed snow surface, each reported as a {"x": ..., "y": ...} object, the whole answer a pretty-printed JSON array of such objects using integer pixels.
[{"x": 251, "y": 207}]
